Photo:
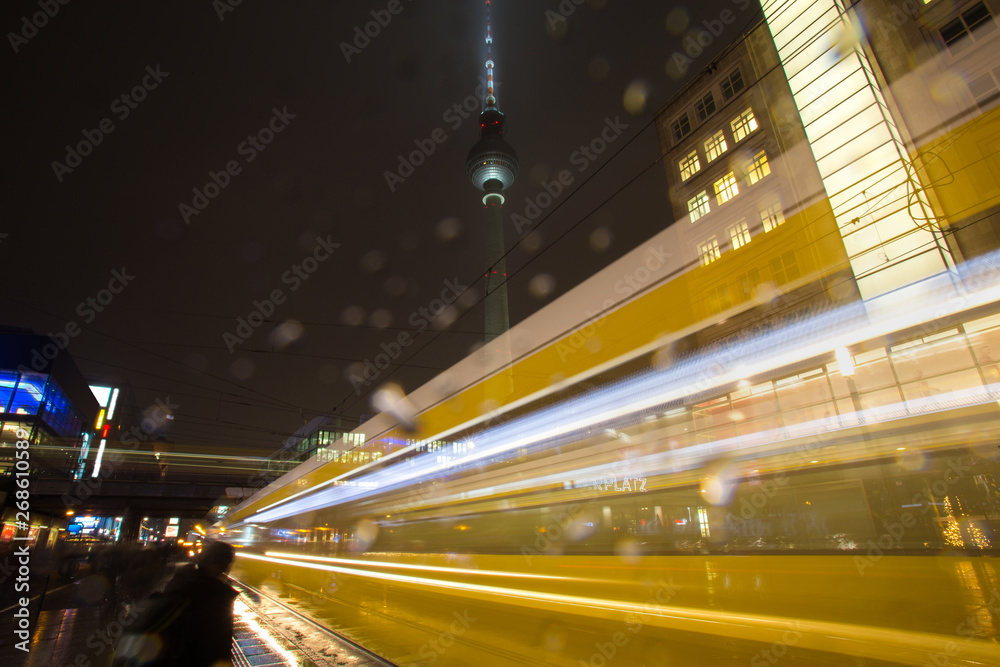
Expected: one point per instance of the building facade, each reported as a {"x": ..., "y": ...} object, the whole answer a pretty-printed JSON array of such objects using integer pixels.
[
  {"x": 836, "y": 151},
  {"x": 940, "y": 60},
  {"x": 753, "y": 223},
  {"x": 44, "y": 400}
]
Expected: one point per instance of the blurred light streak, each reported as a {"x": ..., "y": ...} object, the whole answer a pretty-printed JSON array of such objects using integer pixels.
[
  {"x": 816, "y": 336},
  {"x": 901, "y": 646},
  {"x": 429, "y": 568}
]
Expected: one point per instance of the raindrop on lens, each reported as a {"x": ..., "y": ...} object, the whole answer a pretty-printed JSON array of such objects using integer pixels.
[
  {"x": 353, "y": 316},
  {"x": 241, "y": 369},
  {"x": 635, "y": 96},
  {"x": 541, "y": 286},
  {"x": 380, "y": 318},
  {"x": 373, "y": 261},
  {"x": 600, "y": 239}
]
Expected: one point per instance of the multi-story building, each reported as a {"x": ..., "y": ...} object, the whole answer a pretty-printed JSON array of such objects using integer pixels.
[
  {"x": 324, "y": 439},
  {"x": 752, "y": 219},
  {"x": 836, "y": 151},
  {"x": 45, "y": 400}
]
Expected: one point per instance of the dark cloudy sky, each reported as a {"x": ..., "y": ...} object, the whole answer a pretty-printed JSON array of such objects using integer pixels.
[{"x": 343, "y": 125}]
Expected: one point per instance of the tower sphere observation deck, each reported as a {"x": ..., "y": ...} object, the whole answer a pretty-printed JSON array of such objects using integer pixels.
[{"x": 492, "y": 163}]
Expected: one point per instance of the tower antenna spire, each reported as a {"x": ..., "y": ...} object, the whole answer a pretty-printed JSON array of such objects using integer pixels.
[{"x": 491, "y": 100}]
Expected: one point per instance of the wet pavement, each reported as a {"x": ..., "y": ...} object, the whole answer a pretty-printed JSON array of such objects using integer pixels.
[{"x": 80, "y": 625}]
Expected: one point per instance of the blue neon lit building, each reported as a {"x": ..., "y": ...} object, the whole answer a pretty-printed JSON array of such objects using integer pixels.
[{"x": 43, "y": 393}]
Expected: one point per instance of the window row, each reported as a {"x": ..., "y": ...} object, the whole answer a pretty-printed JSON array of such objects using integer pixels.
[
  {"x": 705, "y": 107},
  {"x": 742, "y": 126},
  {"x": 727, "y": 187},
  {"x": 938, "y": 364},
  {"x": 771, "y": 216},
  {"x": 782, "y": 270}
]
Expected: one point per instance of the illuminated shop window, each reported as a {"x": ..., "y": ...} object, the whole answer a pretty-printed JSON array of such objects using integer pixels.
[
  {"x": 698, "y": 205},
  {"x": 726, "y": 188},
  {"x": 739, "y": 233},
  {"x": 759, "y": 168},
  {"x": 689, "y": 166},
  {"x": 705, "y": 107},
  {"x": 715, "y": 146},
  {"x": 732, "y": 84},
  {"x": 681, "y": 127},
  {"x": 709, "y": 251},
  {"x": 785, "y": 269},
  {"x": 771, "y": 217},
  {"x": 975, "y": 23},
  {"x": 743, "y": 125}
]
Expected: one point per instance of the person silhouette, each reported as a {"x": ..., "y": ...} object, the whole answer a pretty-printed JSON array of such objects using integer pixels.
[{"x": 190, "y": 624}]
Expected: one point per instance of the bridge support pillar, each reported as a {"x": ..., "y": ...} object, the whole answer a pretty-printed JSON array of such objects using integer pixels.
[{"x": 131, "y": 521}]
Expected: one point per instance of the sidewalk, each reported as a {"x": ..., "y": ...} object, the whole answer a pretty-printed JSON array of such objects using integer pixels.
[
  {"x": 79, "y": 627},
  {"x": 75, "y": 627}
]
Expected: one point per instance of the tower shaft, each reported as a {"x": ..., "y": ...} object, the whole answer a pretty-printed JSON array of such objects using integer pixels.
[{"x": 497, "y": 317}]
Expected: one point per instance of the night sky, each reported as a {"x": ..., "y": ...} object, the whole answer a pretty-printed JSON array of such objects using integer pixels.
[{"x": 215, "y": 82}]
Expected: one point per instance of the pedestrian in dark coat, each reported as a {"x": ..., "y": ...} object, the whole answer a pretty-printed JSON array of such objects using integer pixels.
[{"x": 190, "y": 624}]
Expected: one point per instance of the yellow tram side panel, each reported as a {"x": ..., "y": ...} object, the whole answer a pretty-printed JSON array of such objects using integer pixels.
[{"x": 678, "y": 305}]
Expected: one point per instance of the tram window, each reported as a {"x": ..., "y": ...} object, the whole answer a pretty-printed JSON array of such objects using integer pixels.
[
  {"x": 712, "y": 413},
  {"x": 941, "y": 384},
  {"x": 804, "y": 392},
  {"x": 877, "y": 399},
  {"x": 760, "y": 401},
  {"x": 872, "y": 373},
  {"x": 983, "y": 324},
  {"x": 933, "y": 358},
  {"x": 767, "y": 423},
  {"x": 986, "y": 346},
  {"x": 807, "y": 414}
]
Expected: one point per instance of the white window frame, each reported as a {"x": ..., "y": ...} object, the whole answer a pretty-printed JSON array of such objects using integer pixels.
[
  {"x": 698, "y": 205},
  {"x": 726, "y": 188},
  {"x": 743, "y": 125},
  {"x": 715, "y": 146},
  {"x": 689, "y": 165},
  {"x": 759, "y": 169}
]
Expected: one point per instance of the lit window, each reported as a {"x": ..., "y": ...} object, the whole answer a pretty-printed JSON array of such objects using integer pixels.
[
  {"x": 743, "y": 125},
  {"x": 785, "y": 269},
  {"x": 689, "y": 165},
  {"x": 739, "y": 233},
  {"x": 698, "y": 205},
  {"x": 681, "y": 127},
  {"x": 715, "y": 146},
  {"x": 726, "y": 188},
  {"x": 771, "y": 217},
  {"x": 976, "y": 22},
  {"x": 708, "y": 251},
  {"x": 705, "y": 107},
  {"x": 732, "y": 84},
  {"x": 759, "y": 168}
]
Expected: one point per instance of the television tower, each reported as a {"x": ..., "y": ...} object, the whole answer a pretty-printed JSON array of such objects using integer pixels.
[{"x": 492, "y": 166}]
